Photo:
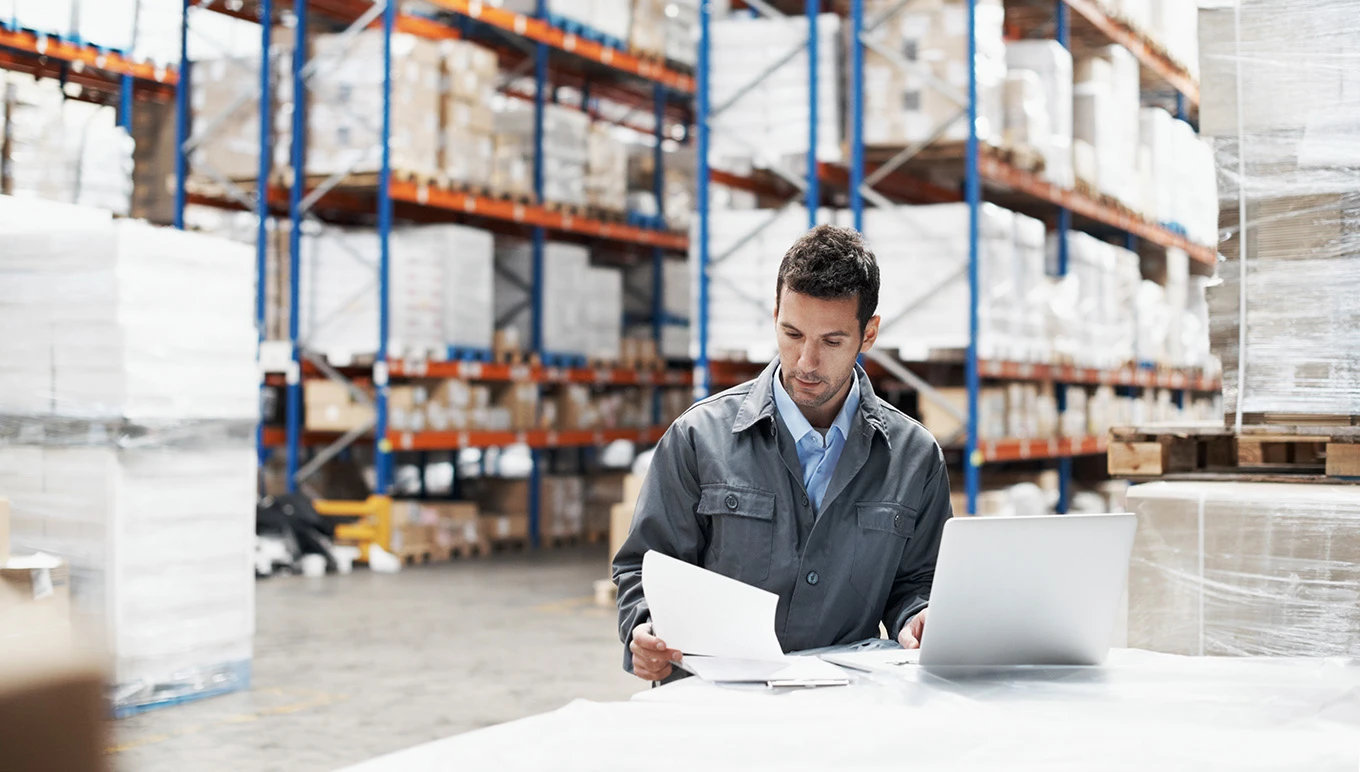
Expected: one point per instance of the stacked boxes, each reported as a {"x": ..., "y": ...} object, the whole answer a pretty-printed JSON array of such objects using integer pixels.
[
  {"x": 647, "y": 36},
  {"x": 1245, "y": 569},
  {"x": 675, "y": 291},
  {"x": 682, "y": 32},
  {"x": 345, "y": 103},
  {"x": 768, "y": 126},
  {"x": 1052, "y": 64},
  {"x": 1179, "y": 188},
  {"x": 564, "y": 149},
  {"x": 1284, "y": 145},
  {"x": 1105, "y": 118},
  {"x": 63, "y": 150},
  {"x": 132, "y": 397},
  {"x": 582, "y": 305},
  {"x": 468, "y": 143},
  {"x": 440, "y": 291},
  {"x": 606, "y": 170},
  {"x": 928, "y": 98},
  {"x": 436, "y": 527}
]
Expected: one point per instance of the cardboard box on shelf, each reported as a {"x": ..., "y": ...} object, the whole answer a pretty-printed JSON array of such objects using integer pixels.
[
  {"x": 329, "y": 407},
  {"x": 521, "y": 400},
  {"x": 499, "y": 528},
  {"x": 561, "y": 503},
  {"x": 499, "y": 496}
]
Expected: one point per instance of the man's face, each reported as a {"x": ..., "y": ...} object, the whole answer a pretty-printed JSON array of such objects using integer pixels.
[{"x": 818, "y": 343}]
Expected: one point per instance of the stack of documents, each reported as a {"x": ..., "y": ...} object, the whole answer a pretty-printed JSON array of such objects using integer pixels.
[{"x": 724, "y": 628}]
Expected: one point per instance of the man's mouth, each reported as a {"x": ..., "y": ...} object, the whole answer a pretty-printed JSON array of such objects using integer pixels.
[{"x": 806, "y": 384}]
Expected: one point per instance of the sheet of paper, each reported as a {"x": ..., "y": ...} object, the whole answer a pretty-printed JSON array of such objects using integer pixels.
[
  {"x": 879, "y": 659},
  {"x": 792, "y": 670},
  {"x": 704, "y": 613}
]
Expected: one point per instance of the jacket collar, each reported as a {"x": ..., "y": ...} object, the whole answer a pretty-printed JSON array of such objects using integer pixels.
[{"x": 759, "y": 403}]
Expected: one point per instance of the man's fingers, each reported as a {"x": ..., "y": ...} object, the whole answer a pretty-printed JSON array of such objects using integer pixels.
[
  {"x": 910, "y": 641},
  {"x": 652, "y": 674}
]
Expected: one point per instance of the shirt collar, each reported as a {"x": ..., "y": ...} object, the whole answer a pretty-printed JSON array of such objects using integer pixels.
[{"x": 798, "y": 424}]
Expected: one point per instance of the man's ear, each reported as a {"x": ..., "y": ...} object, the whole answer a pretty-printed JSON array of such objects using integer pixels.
[{"x": 870, "y": 334}]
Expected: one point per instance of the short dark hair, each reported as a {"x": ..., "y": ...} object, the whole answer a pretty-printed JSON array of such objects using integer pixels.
[{"x": 829, "y": 263}]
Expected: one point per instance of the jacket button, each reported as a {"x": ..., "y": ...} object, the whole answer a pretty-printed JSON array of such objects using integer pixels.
[
  {"x": 813, "y": 578},
  {"x": 897, "y": 521},
  {"x": 805, "y": 501},
  {"x": 731, "y": 501}
]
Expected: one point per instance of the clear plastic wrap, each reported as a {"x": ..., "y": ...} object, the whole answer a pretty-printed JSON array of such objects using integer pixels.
[
  {"x": 129, "y": 398},
  {"x": 1282, "y": 102},
  {"x": 1245, "y": 569}
]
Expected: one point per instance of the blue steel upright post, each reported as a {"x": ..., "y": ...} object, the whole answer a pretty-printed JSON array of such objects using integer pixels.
[
  {"x": 262, "y": 194},
  {"x": 702, "y": 379},
  {"x": 1063, "y": 34},
  {"x": 814, "y": 193},
  {"x": 857, "y": 113},
  {"x": 972, "y": 461},
  {"x": 126, "y": 86},
  {"x": 182, "y": 118},
  {"x": 382, "y": 457},
  {"x": 536, "y": 280},
  {"x": 660, "y": 318},
  {"x": 298, "y": 162}
]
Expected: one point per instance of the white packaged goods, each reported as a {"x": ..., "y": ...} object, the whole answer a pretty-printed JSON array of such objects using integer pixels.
[
  {"x": 679, "y": 170},
  {"x": 439, "y": 285},
  {"x": 741, "y": 292},
  {"x": 612, "y": 18},
  {"x": 682, "y": 31},
  {"x": 565, "y": 150},
  {"x": 1092, "y": 308},
  {"x": 1026, "y": 122},
  {"x": 64, "y": 150},
  {"x": 1295, "y": 159},
  {"x": 916, "y": 73},
  {"x": 603, "y": 321},
  {"x": 768, "y": 126},
  {"x": 106, "y": 23},
  {"x": 1106, "y": 116},
  {"x": 103, "y": 307},
  {"x": 1174, "y": 26},
  {"x": 1245, "y": 569},
  {"x": 130, "y": 399},
  {"x": 566, "y": 299},
  {"x": 1053, "y": 64},
  {"x": 922, "y": 256},
  {"x": 606, "y": 169},
  {"x": 345, "y": 103},
  {"x": 54, "y": 17},
  {"x": 1182, "y": 190},
  {"x": 647, "y": 34},
  {"x": 467, "y": 145}
]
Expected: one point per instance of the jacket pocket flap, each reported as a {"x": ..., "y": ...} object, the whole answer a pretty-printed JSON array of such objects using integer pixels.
[
  {"x": 886, "y": 516},
  {"x": 715, "y": 499}
]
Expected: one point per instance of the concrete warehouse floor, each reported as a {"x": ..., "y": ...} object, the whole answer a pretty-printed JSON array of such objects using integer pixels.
[{"x": 351, "y": 667}]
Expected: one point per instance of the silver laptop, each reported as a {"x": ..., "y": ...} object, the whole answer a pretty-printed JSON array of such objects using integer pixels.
[
  {"x": 1027, "y": 590},
  {"x": 1020, "y": 591}
]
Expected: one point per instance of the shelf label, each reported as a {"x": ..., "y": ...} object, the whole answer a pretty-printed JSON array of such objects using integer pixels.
[
  {"x": 380, "y": 373},
  {"x": 517, "y": 213},
  {"x": 1024, "y": 449},
  {"x": 569, "y": 43},
  {"x": 469, "y": 204},
  {"x": 521, "y": 438},
  {"x": 599, "y": 438},
  {"x": 602, "y": 376},
  {"x": 464, "y": 439},
  {"x": 475, "y": 8},
  {"x": 407, "y": 440},
  {"x": 423, "y": 193},
  {"x": 471, "y": 370},
  {"x": 520, "y": 373},
  {"x": 551, "y": 439},
  {"x": 607, "y": 56},
  {"x": 566, "y": 221}
]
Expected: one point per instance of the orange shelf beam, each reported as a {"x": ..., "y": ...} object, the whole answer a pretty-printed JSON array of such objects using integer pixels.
[
  {"x": 542, "y": 32},
  {"x": 490, "y": 371},
  {"x": 534, "y": 439},
  {"x": 84, "y": 56},
  {"x": 1151, "y": 58},
  {"x": 1024, "y": 450},
  {"x": 1124, "y": 376},
  {"x": 276, "y": 437},
  {"x": 994, "y": 169},
  {"x": 530, "y": 214}
]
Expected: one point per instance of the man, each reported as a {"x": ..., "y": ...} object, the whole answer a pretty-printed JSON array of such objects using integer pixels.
[{"x": 801, "y": 482}]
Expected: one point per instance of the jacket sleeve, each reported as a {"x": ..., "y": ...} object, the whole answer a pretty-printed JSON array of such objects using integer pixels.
[
  {"x": 665, "y": 521},
  {"x": 911, "y": 587}
]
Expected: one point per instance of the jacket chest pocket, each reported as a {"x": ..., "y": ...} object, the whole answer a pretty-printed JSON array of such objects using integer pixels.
[
  {"x": 882, "y": 532},
  {"x": 743, "y": 530}
]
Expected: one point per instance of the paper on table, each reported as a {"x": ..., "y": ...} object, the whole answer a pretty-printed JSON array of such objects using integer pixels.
[
  {"x": 699, "y": 612},
  {"x": 792, "y": 670},
  {"x": 879, "y": 659}
]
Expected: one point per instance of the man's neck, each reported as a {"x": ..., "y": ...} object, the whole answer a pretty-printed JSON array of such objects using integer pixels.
[{"x": 822, "y": 417}]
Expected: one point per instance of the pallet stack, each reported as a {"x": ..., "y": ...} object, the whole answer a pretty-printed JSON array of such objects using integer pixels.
[{"x": 1249, "y": 539}]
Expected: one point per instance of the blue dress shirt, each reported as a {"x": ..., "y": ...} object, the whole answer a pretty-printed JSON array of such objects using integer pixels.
[{"x": 816, "y": 454}]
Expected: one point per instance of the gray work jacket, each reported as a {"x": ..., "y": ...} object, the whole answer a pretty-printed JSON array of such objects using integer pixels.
[{"x": 725, "y": 492}]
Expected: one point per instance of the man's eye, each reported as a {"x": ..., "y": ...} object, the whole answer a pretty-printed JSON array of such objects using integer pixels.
[
  {"x": 833, "y": 343},
  {"x": 793, "y": 335}
]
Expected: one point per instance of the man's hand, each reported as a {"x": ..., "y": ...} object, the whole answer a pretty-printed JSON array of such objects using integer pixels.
[
  {"x": 915, "y": 629},
  {"x": 651, "y": 659}
]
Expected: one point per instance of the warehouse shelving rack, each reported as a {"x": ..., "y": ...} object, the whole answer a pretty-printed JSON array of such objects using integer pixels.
[
  {"x": 590, "y": 67},
  {"x": 880, "y": 183}
]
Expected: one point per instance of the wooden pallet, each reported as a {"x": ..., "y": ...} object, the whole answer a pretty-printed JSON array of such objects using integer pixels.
[
  {"x": 423, "y": 554},
  {"x": 1308, "y": 454},
  {"x": 514, "y": 357},
  {"x": 562, "y": 542},
  {"x": 607, "y": 215},
  {"x": 574, "y": 210},
  {"x": 508, "y": 544},
  {"x": 595, "y": 537}
]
